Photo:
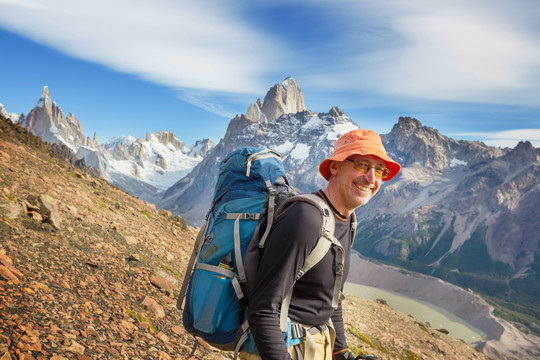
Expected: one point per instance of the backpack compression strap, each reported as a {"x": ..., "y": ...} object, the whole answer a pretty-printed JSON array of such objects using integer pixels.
[{"x": 194, "y": 255}]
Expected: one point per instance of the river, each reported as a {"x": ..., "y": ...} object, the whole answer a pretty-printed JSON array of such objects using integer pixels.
[{"x": 421, "y": 310}]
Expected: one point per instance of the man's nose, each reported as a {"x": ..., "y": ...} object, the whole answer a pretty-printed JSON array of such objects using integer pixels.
[{"x": 371, "y": 175}]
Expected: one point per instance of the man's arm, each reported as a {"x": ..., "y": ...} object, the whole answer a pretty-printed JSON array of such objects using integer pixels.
[
  {"x": 337, "y": 319},
  {"x": 293, "y": 236}
]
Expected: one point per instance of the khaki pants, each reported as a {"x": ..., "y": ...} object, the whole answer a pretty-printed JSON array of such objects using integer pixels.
[{"x": 323, "y": 348}]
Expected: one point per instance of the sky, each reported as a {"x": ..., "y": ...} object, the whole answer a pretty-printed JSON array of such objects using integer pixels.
[{"x": 468, "y": 68}]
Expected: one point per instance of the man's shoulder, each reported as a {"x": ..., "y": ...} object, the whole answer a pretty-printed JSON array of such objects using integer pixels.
[{"x": 300, "y": 211}]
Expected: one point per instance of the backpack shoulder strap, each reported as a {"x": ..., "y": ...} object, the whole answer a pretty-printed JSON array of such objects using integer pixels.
[{"x": 326, "y": 240}]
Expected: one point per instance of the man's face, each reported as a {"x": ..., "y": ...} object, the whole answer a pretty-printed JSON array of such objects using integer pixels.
[{"x": 353, "y": 187}]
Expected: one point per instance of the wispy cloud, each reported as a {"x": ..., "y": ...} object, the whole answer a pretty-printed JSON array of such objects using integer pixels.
[
  {"x": 206, "y": 101},
  {"x": 486, "y": 51},
  {"x": 481, "y": 51},
  {"x": 508, "y": 138},
  {"x": 201, "y": 45}
]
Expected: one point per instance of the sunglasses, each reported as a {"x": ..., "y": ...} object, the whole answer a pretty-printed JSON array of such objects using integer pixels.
[{"x": 363, "y": 167}]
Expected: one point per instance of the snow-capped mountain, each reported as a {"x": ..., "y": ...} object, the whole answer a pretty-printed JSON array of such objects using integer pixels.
[
  {"x": 159, "y": 160},
  {"x": 143, "y": 167},
  {"x": 281, "y": 123},
  {"x": 11, "y": 116}
]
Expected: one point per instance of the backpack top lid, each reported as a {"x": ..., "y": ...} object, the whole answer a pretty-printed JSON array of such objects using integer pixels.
[{"x": 233, "y": 174}]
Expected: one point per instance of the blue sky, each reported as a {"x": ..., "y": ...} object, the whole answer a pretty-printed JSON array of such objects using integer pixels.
[{"x": 470, "y": 69}]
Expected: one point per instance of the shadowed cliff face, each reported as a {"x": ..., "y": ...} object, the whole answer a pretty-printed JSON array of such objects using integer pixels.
[{"x": 461, "y": 211}]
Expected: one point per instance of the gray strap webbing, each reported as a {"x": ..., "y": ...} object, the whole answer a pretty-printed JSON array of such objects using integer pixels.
[
  {"x": 194, "y": 255},
  {"x": 216, "y": 269},
  {"x": 321, "y": 248},
  {"x": 313, "y": 258},
  {"x": 308, "y": 332},
  {"x": 299, "y": 355},
  {"x": 243, "y": 216},
  {"x": 226, "y": 273},
  {"x": 264, "y": 154},
  {"x": 242, "y": 339},
  {"x": 340, "y": 260},
  {"x": 271, "y": 210},
  {"x": 237, "y": 249}
]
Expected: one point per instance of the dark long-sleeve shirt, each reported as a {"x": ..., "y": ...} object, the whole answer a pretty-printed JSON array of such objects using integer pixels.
[{"x": 294, "y": 234}]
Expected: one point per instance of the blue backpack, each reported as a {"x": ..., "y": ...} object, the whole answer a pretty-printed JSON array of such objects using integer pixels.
[
  {"x": 251, "y": 186},
  {"x": 248, "y": 179}
]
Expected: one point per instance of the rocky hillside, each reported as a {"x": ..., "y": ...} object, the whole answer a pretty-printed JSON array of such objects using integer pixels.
[
  {"x": 464, "y": 212},
  {"x": 90, "y": 272}
]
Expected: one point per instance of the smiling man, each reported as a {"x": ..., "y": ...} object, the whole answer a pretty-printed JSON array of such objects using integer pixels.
[{"x": 355, "y": 173}]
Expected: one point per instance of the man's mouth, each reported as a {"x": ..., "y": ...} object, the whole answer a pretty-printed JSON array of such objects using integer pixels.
[{"x": 362, "y": 188}]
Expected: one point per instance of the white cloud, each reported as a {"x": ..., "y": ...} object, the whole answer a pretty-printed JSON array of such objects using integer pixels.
[
  {"x": 484, "y": 51},
  {"x": 205, "y": 101},
  {"x": 183, "y": 44},
  {"x": 481, "y": 51},
  {"x": 508, "y": 138}
]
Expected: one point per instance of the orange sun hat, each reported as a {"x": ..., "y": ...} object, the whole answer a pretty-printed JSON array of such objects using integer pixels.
[{"x": 359, "y": 142}]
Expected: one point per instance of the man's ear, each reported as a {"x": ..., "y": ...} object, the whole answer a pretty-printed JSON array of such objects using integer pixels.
[{"x": 333, "y": 167}]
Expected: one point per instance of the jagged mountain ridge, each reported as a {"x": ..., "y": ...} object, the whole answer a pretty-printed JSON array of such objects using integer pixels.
[
  {"x": 143, "y": 167},
  {"x": 303, "y": 138},
  {"x": 476, "y": 183},
  {"x": 462, "y": 211},
  {"x": 459, "y": 210}
]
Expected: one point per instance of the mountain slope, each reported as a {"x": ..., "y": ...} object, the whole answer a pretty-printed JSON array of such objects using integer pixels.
[
  {"x": 463, "y": 212},
  {"x": 96, "y": 276}
]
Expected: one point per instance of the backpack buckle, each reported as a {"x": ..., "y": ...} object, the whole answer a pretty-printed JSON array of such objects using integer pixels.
[{"x": 248, "y": 216}]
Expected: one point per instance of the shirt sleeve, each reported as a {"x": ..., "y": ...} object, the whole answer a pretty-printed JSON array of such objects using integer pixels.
[
  {"x": 289, "y": 243},
  {"x": 337, "y": 320}
]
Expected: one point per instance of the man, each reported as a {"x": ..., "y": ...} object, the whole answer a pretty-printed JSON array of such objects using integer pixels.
[{"x": 354, "y": 173}]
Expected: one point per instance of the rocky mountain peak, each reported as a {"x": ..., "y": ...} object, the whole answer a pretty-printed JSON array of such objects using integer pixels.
[
  {"x": 255, "y": 113},
  {"x": 47, "y": 121},
  {"x": 284, "y": 98},
  {"x": 201, "y": 148},
  {"x": 237, "y": 124},
  {"x": 411, "y": 142},
  {"x": 45, "y": 99},
  {"x": 406, "y": 125},
  {"x": 336, "y": 112},
  {"x": 167, "y": 138},
  {"x": 523, "y": 153}
]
